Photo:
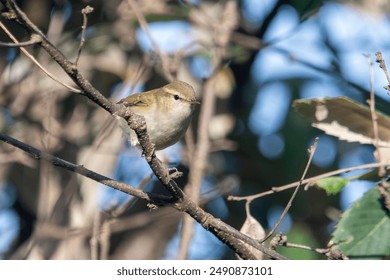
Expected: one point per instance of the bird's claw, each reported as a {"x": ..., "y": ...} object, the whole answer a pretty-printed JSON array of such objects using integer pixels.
[{"x": 175, "y": 173}]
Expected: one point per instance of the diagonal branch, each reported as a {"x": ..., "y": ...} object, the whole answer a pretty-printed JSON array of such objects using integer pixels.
[
  {"x": 180, "y": 201},
  {"x": 159, "y": 200},
  {"x": 36, "y": 40},
  {"x": 137, "y": 123},
  {"x": 227, "y": 234}
]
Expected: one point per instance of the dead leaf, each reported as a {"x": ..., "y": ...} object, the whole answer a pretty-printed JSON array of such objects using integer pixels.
[
  {"x": 347, "y": 120},
  {"x": 254, "y": 229}
]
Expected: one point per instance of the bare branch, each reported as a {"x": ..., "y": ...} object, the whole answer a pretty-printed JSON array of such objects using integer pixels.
[
  {"x": 142, "y": 21},
  {"x": 308, "y": 181},
  {"x": 136, "y": 122},
  {"x": 224, "y": 232},
  {"x": 374, "y": 118},
  {"x": 289, "y": 204},
  {"x": 87, "y": 10},
  {"x": 38, "y": 154},
  {"x": 36, "y": 39},
  {"x": 382, "y": 65},
  {"x": 330, "y": 253},
  {"x": 33, "y": 41}
]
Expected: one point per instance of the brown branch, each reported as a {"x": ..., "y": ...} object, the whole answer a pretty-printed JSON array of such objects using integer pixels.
[
  {"x": 120, "y": 209},
  {"x": 94, "y": 240},
  {"x": 228, "y": 234},
  {"x": 330, "y": 253},
  {"x": 87, "y": 10},
  {"x": 179, "y": 200},
  {"x": 36, "y": 39},
  {"x": 33, "y": 41},
  {"x": 137, "y": 123},
  {"x": 79, "y": 169},
  {"x": 224, "y": 232}
]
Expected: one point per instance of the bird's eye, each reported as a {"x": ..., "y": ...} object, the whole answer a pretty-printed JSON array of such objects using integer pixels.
[{"x": 176, "y": 97}]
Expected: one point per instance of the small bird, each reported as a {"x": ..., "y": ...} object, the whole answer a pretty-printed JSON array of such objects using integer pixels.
[{"x": 167, "y": 110}]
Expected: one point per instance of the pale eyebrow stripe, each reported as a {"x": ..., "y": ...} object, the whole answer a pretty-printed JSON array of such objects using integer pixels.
[{"x": 171, "y": 91}]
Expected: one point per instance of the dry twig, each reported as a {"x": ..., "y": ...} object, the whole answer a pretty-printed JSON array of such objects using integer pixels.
[
  {"x": 87, "y": 10},
  {"x": 308, "y": 181},
  {"x": 289, "y": 204},
  {"x": 37, "y": 39}
]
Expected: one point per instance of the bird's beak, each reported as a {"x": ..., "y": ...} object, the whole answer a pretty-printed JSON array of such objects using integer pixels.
[{"x": 193, "y": 101}]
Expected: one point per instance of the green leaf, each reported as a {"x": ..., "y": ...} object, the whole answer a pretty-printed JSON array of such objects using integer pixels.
[
  {"x": 332, "y": 185},
  {"x": 364, "y": 229}
]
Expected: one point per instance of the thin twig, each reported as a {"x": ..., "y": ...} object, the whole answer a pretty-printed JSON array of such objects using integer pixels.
[
  {"x": 374, "y": 118},
  {"x": 382, "y": 65},
  {"x": 37, "y": 38},
  {"x": 87, "y": 10},
  {"x": 142, "y": 21},
  {"x": 330, "y": 253},
  {"x": 309, "y": 180},
  {"x": 94, "y": 240},
  {"x": 33, "y": 41},
  {"x": 289, "y": 204},
  {"x": 114, "y": 213},
  {"x": 104, "y": 239}
]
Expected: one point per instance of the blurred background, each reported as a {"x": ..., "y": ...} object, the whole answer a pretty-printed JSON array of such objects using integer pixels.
[{"x": 262, "y": 55}]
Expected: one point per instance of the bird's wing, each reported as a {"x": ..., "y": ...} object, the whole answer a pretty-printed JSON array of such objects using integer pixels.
[{"x": 134, "y": 100}]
